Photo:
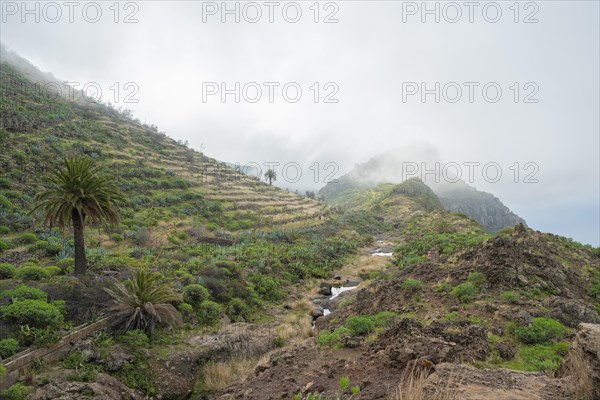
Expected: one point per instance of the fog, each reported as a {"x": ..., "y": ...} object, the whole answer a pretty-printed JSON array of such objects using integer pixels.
[{"x": 369, "y": 68}]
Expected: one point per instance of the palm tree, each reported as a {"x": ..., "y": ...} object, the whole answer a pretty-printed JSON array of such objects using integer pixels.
[
  {"x": 143, "y": 302},
  {"x": 271, "y": 176},
  {"x": 79, "y": 192}
]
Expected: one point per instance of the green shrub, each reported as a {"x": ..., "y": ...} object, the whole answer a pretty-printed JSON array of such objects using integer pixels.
[
  {"x": 412, "y": 285},
  {"x": 31, "y": 273},
  {"x": 266, "y": 287},
  {"x": 3, "y": 246},
  {"x": 209, "y": 312},
  {"x": 510, "y": 296},
  {"x": 7, "y": 271},
  {"x": 465, "y": 292},
  {"x": 360, "y": 324},
  {"x": 443, "y": 287},
  {"x": 66, "y": 264},
  {"x": 53, "y": 270},
  {"x": 8, "y": 347},
  {"x": 2, "y": 371},
  {"x": 135, "y": 338},
  {"x": 477, "y": 279},
  {"x": 27, "y": 238},
  {"x": 25, "y": 292},
  {"x": 539, "y": 357},
  {"x": 4, "y": 230},
  {"x": 451, "y": 316},
  {"x": 116, "y": 237},
  {"x": 18, "y": 391},
  {"x": 541, "y": 331},
  {"x": 35, "y": 313},
  {"x": 332, "y": 339},
  {"x": 195, "y": 294}
]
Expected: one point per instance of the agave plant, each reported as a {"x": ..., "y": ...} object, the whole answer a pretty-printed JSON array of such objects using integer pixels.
[{"x": 143, "y": 302}]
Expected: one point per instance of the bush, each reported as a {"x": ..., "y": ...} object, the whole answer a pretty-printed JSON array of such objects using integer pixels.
[
  {"x": 332, "y": 339},
  {"x": 18, "y": 391},
  {"x": 25, "y": 292},
  {"x": 412, "y": 285},
  {"x": 541, "y": 331},
  {"x": 35, "y": 313},
  {"x": 4, "y": 229},
  {"x": 360, "y": 324},
  {"x": 66, "y": 264},
  {"x": 477, "y": 279},
  {"x": 509, "y": 296},
  {"x": 465, "y": 292},
  {"x": 8, "y": 347},
  {"x": 2, "y": 371},
  {"x": 7, "y": 271},
  {"x": 53, "y": 270},
  {"x": 135, "y": 338},
  {"x": 27, "y": 238},
  {"x": 539, "y": 357},
  {"x": 209, "y": 312},
  {"x": 116, "y": 237},
  {"x": 443, "y": 287},
  {"x": 195, "y": 294},
  {"x": 31, "y": 273}
]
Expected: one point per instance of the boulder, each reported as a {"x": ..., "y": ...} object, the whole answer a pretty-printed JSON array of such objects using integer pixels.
[
  {"x": 571, "y": 312},
  {"x": 104, "y": 387},
  {"x": 583, "y": 362}
]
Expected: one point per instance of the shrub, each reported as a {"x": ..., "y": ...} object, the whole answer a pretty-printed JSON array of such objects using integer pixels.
[
  {"x": 31, "y": 273},
  {"x": 443, "y": 287},
  {"x": 209, "y": 312},
  {"x": 2, "y": 371},
  {"x": 25, "y": 292},
  {"x": 53, "y": 270},
  {"x": 116, "y": 237},
  {"x": 477, "y": 279},
  {"x": 509, "y": 296},
  {"x": 135, "y": 338},
  {"x": 7, "y": 271},
  {"x": 35, "y": 313},
  {"x": 539, "y": 357},
  {"x": 412, "y": 285},
  {"x": 66, "y": 264},
  {"x": 465, "y": 292},
  {"x": 541, "y": 331},
  {"x": 8, "y": 347},
  {"x": 27, "y": 238},
  {"x": 3, "y": 246},
  {"x": 451, "y": 316},
  {"x": 195, "y": 294},
  {"x": 332, "y": 339},
  {"x": 360, "y": 324},
  {"x": 4, "y": 229},
  {"x": 18, "y": 391}
]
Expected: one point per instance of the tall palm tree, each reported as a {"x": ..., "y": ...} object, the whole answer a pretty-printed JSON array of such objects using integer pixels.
[
  {"x": 143, "y": 302},
  {"x": 271, "y": 176},
  {"x": 79, "y": 192}
]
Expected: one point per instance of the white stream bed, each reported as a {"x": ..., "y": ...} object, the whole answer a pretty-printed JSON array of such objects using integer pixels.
[{"x": 335, "y": 292}]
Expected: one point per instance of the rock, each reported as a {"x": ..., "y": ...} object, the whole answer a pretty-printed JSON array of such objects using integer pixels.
[
  {"x": 337, "y": 277},
  {"x": 87, "y": 348},
  {"x": 104, "y": 387},
  {"x": 317, "y": 312},
  {"x": 583, "y": 362},
  {"x": 117, "y": 357},
  {"x": 523, "y": 318},
  {"x": 325, "y": 289},
  {"x": 506, "y": 350},
  {"x": 571, "y": 312}
]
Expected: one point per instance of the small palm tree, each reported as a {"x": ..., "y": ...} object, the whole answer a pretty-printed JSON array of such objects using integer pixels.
[
  {"x": 271, "y": 176},
  {"x": 143, "y": 302},
  {"x": 79, "y": 192}
]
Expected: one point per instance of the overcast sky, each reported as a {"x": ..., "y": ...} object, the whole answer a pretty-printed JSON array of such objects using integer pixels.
[{"x": 374, "y": 55}]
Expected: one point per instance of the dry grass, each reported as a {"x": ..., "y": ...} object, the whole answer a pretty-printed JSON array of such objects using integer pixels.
[
  {"x": 222, "y": 374},
  {"x": 412, "y": 386},
  {"x": 295, "y": 326}
]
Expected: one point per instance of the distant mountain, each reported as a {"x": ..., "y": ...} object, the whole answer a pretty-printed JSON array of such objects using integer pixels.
[{"x": 395, "y": 166}]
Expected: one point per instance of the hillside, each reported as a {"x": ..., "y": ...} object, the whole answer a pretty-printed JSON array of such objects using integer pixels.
[
  {"x": 388, "y": 167},
  {"x": 239, "y": 289}
]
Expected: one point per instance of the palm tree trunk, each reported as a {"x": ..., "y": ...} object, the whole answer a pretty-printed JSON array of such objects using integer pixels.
[{"x": 80, "y": 260}]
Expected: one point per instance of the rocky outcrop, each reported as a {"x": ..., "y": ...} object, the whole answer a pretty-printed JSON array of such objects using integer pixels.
[
  {"x": 583, "y": 362},
  {"x": 571, "y": 312},
  {"x": 104, "y": 387}
]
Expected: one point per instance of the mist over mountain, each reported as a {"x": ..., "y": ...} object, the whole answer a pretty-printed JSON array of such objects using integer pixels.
[{"x": 423, "y": 161}]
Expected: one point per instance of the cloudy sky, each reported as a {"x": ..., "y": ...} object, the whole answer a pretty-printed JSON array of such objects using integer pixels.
[{"x": 514, "y": 84}]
